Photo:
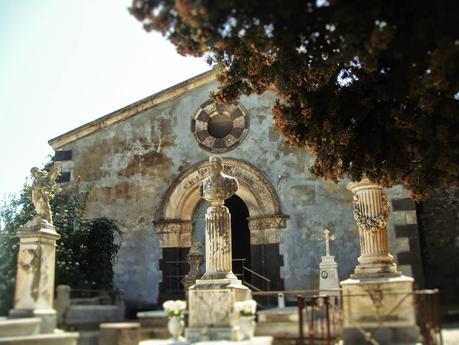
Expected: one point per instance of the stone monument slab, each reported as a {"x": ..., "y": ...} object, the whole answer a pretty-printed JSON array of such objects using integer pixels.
[
  {"x": 34, "y": 293},
  {"x": 329, "y": 281}
]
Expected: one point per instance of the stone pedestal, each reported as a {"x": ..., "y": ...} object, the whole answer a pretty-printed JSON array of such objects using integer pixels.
[
  {"x": 212, "y": 298},
  {"x": 119, "y": 333},
  {"x": 378, "y": 302},
  {"x": 212, "y": 312},
  {"x": 34, "y": 292},
  {"x": 382, "y": 307},
  {"x": 329, "y": 281}
]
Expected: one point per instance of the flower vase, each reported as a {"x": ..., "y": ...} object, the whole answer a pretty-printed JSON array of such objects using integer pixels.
[
  {"x": 247, "y": 326},
  {"x": 176, "y": 326}
]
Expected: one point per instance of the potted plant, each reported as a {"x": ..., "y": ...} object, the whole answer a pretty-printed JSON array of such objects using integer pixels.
[
  {"x": 175, "y": 311},
  {"x": 247, "y": 310}
]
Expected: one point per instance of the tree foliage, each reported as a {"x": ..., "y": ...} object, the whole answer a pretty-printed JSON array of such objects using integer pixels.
[
  {"x": 439, "y": 225},
  {"x": 15, "y": 212},
  {"x": 85, "y": 252},
  {"x": 369, "y": 87}
]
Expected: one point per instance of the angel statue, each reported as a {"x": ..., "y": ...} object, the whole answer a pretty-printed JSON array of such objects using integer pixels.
[{"x": 43, "y": 182}]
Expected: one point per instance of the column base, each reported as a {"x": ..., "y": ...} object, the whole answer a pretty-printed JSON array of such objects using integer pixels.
[
  {"x": 212, "y": 315},
  {"x": 219, "y": 275},
  {"x": 47, "y": 316},
  {"x": 376, "y": 270}
]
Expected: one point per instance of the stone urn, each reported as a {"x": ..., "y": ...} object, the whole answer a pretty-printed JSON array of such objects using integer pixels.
[
  {"x": 176, "y": 325},
  {"x": 247, "y": 326}
]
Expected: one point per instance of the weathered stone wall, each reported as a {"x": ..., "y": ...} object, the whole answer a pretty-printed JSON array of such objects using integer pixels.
[{"x": 130, "y": 165}]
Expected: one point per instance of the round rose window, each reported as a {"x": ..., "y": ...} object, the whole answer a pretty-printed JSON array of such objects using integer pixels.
[{"x": 218, "y": 127}]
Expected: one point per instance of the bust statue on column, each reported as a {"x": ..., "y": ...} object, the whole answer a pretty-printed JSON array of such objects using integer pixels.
[
  {"x": 212, "y": 299},
  {"x": 217, "y": 187}
]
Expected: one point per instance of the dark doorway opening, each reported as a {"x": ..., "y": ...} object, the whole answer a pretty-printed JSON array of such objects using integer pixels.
[
  {"x": 240, "y": 233},
  {"x": 174, "y": 268}
]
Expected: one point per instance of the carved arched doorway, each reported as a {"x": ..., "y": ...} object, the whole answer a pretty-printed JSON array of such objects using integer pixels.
[{"x": 179, "y": 219}]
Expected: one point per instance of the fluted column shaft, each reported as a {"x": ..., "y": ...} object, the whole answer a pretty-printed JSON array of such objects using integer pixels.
[
  {"x": 371, "y": 211},
  {"x": 218, "y": 240}
]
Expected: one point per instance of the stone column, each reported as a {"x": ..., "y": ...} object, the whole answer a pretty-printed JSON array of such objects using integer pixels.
[
  {"x": 218, "y": 243},
  {"x": 371, "y": 211},
  {"x": 377, "y": 301},
  {"x": 34, "y": 294}
]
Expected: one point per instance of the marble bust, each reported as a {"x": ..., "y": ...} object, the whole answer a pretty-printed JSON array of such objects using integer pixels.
[{"x": 217, "y": 187}]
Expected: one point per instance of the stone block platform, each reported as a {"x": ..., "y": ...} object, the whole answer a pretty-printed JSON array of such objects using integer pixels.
[
  {"x": 57, "y": 338},
  {"x": 253, "y": 341},
  {"x": 153, "y": 324},
  {"x": 26, "y": 331},
  {"x": 19, "y": 327}
]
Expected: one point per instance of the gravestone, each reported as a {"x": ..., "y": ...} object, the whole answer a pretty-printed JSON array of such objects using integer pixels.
[{"x": 329, "y": 282}]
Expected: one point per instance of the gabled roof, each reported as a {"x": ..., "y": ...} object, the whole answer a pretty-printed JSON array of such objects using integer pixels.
[{"x": 133, "y": 109}]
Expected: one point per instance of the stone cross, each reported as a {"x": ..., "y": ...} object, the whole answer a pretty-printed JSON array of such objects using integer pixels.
[{"x": 327, "y": 238}]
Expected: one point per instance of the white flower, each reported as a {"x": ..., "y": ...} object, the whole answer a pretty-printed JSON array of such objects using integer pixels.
[
  {"x": 246, "y": 308},
  {"x": 174, "y": 308}
]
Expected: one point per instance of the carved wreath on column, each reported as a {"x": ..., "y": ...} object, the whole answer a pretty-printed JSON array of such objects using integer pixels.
[{"x": 369, "y": 223}]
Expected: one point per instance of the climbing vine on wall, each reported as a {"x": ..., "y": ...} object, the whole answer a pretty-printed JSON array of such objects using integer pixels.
[{"x": 85, "y": 252}]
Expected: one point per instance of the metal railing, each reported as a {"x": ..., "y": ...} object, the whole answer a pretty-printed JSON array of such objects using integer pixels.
[
  {"x": 427, "y": 303},
  {"x": 323, "y": 318},
  {"x": 320, "y": 318},
  {"x": 249, "y": 277}
]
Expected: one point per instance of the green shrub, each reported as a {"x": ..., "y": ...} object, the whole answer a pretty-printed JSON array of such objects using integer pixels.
[{"x": 85, "y": 252}]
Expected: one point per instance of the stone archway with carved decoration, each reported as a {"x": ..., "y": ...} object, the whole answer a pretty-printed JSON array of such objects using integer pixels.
[{"x": 173, "y": 219}]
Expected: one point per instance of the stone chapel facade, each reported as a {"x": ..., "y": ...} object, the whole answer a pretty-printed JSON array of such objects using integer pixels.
[{"x": 144, "y": 163}]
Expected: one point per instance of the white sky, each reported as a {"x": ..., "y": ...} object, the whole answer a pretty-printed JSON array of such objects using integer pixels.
[{"x": 64, "y": 63}]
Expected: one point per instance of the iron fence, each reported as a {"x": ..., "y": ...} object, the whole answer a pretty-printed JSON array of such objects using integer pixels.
[{"x": 320, "y": 318}]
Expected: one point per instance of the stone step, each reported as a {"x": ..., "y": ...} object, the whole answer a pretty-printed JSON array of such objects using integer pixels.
[
  {"x": 154, "y": 333},
  {"x": 88, "y": 338},
  {"x": 277, "y": 329},
  {"x": 42, "y": 339},
  {"x": 19, "y": 327},
  {"x": 155, "y": 318}
]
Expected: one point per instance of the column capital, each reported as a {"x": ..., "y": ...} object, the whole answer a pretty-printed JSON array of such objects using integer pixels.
[
  {"x": 363, "y": 184},
  {"x": 371, "y": 208}
]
